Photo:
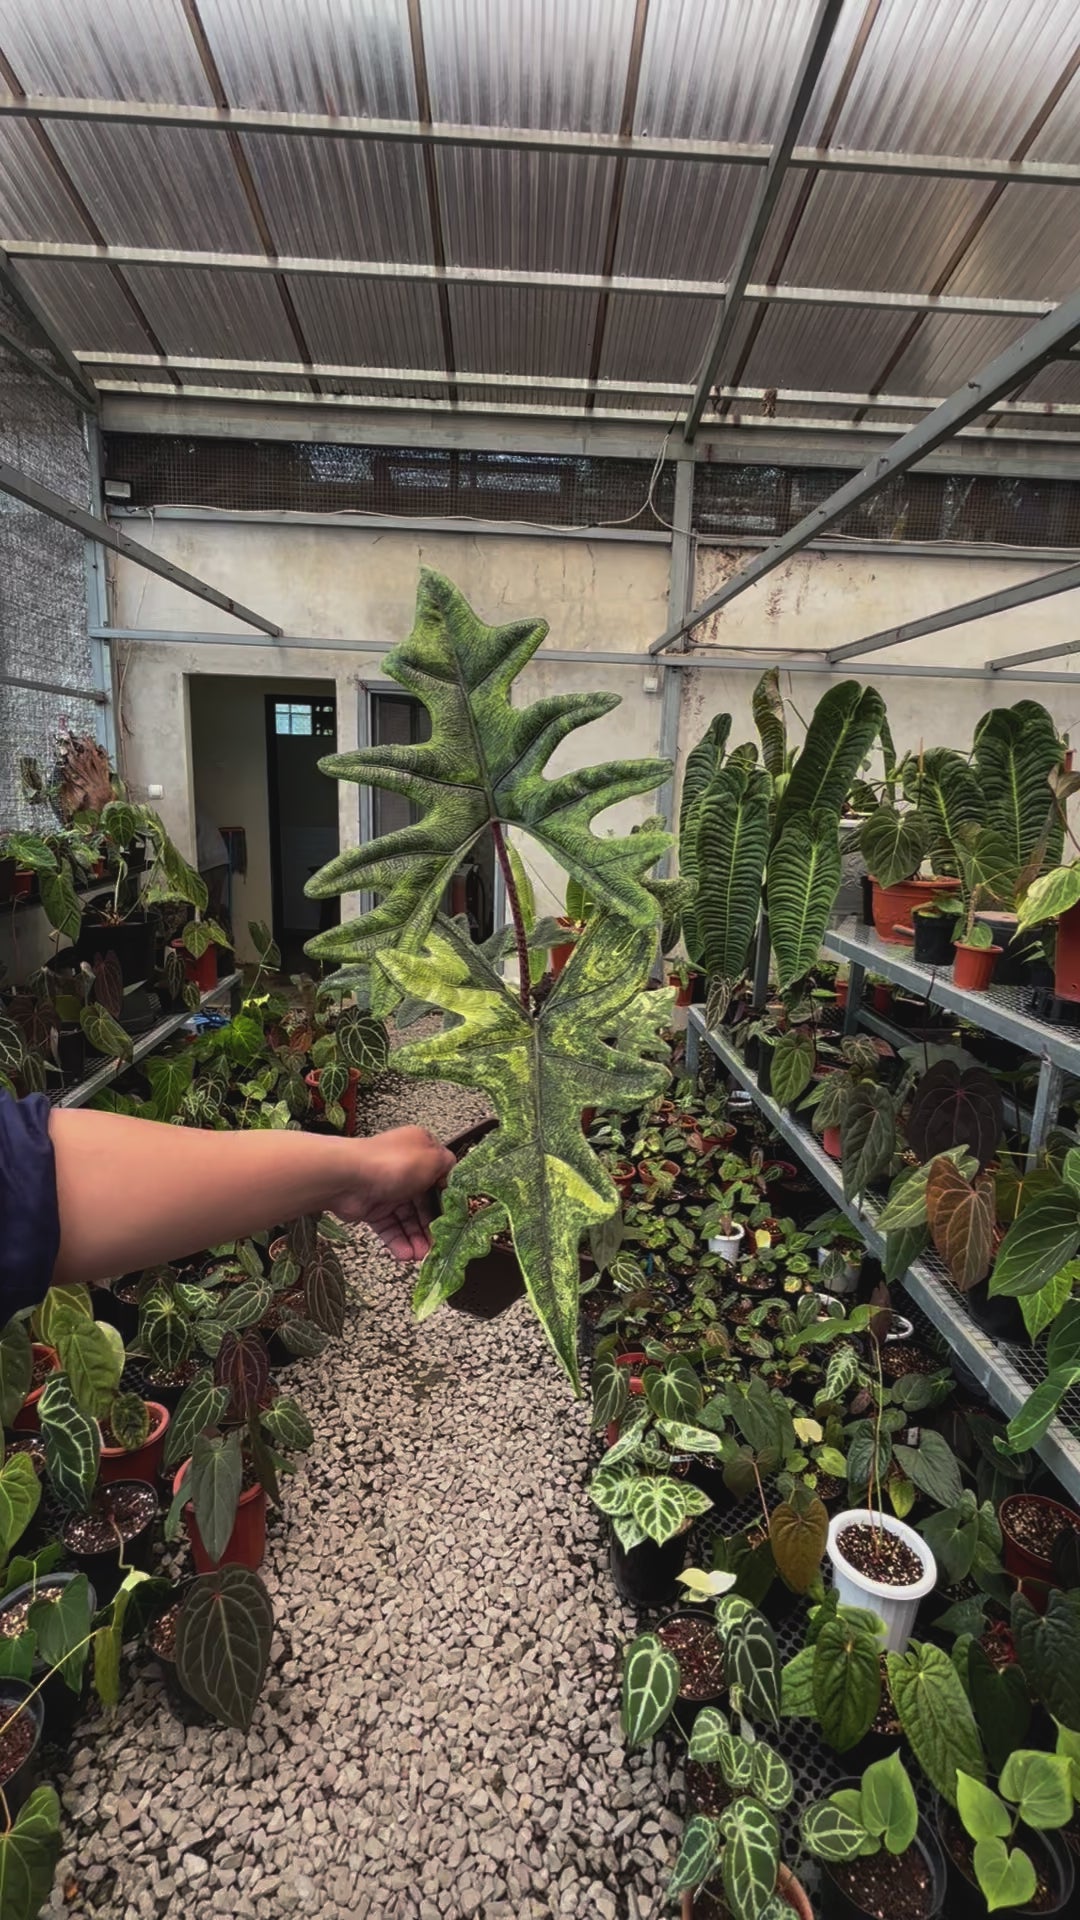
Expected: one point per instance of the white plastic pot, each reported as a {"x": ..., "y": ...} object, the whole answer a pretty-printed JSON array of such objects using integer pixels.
[
  {"x": 728, "y": 1245},
  {"x": 841, "y": 1283},
  {"x": 896, "y": 1606}
]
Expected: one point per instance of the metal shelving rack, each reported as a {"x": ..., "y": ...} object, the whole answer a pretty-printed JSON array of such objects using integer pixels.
[
  {"x": 103, "y": 1075},
  {"x": 1006, "y": 1372}
]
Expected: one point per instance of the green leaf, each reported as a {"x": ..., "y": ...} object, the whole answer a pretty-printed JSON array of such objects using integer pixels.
[
  {"x": 611, "y": 1486},
  {"x": 751, "y": 1857},
  {"x": 63, "y": 908},
  {"x": 92, "y": 1355},
  {"x": 793, "y": 1060},
  {"x": 1029, "y": 1426},
  {"x": 722, "y": 853},
  {"x": 170, "y": 1077},
  {"x": 662, "y": 1506},
  {"x": 1048, "y": 1649},
  {"x": 262, "y": 940},
  {"x": 324, "y": 1291},
  {"x": 1041, "y": 1309},
  {"x": 1049, "y": 897},
  {"x": 1040, "y": 1785},
  {"x": 213, "y": 1484},
  {"x": 129, "y": 1418},
  {"x": 1006, "y": 1878},
  {"x": 108, "y": 1641},
  {"x": 846, "y": 1681},
  {"x": 1063, "y": 1346},
  {"x": 894, "y": 844},
  {"x": 962, "y": 1223},
  {"x": 537, "y": 1162},
  {"x": 650, "y": 1684},
  {"x": 244, "y": 1306},
  {"x": 952, "y": 1537},
  {"x": 1036, "y": 1246},
  {"x": 223, "y": 1635},
  {"x": 362, "y": 1041},
  {"x": 62, "y": 1627},
  {"x": 798, "y": 1531},
  {"x": 288, "y": 1425},
  {"x": 201, "y": 1405},
  {"x": 482, "y": 764},
  {"x": 831, "y": 1832},
  {"x": 105, "y": 1034},
  {"x": 888, "y": 1803},
  {"x": 752, "y": 1663},
  {"x": 29, "y": 1851},
  {"x": 301, "y": 1338},
  {"x": 771, "y": 1777},
  {"x": 842, "y": 730},
  {"x": 984, "y": 1815},
  {"x": 867, "y": 1137},
  {"x": 936, "y": 1716},
  {"x": 709, "y": 1731},
  {"x": 242, "y": 1365},
  {"x": 767, "y": 706},
  {"x": 687, "y": 1439},
  {"x": 20, "y": 1495},
  {"x": 697, "y": 1857},
  {"x": 1015, "y": 751},
  {"x": 29, "y": 851},
  {"x": 16, "y": 1369},
  {"x": 610, "y": 1394},
  {"x": 72, "y": 1444},
  {"x": 801, "y": 886},
  {"x": 676, "y": 1392},
  {"x": 164, "y": 1331},
  {"x": 933, "y": 1467},
  {"x": 198, "y": 935}
]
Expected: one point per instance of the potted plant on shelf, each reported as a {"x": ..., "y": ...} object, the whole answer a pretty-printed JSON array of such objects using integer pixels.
[
  {"x": 878, "y": 1856},
  {"x": 988, "y": 1870},
  {"x": 532, "y": 1049}
]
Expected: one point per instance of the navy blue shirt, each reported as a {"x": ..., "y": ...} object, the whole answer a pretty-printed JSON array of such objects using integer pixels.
[{"x": 29, "y": 1213}]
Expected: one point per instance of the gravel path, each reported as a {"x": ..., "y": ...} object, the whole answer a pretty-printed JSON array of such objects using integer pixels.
[{"x": 439, "y": 1732}]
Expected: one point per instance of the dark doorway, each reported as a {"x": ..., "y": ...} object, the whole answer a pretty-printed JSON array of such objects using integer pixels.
[
  {"x": 398, "y": 720},
  {"x": 303, "y": 804}
]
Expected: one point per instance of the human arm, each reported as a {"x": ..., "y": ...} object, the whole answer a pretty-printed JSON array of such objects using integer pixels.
[{"x": 133, "y": 1193}]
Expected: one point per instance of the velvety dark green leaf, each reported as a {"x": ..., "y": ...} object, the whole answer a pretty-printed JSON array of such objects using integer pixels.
[
  {"x": 242, "y": 1366},
  {"x": 201, "y": 1405},
  {"x": 936, "y": 1716},
  {"x": 62, "y": 1627},
  {"x": 674, "y": 1392},
  {"x": 213, "y": 1484},
  {"x": 20, "y": 1496},
  {"x": 164, "y": 1330},
  {"x": 698, "y": 1854},
  {"x": 16, "y": 1369},
  {"x": 1036, "y": 1246},
  {"x": 223, "y": 1636},
  {"x": 1048, "y": 1649},
  {"x": 649, "y": 1686},
  {"x": 802, "y": 883},
  {"x": 868, "y": 1137},
  {"x": 1001, "y": 1704},
  {"x": 751, "y": 1857},
  {"x": 105, "y": 1034},
  {"x": 72, "y": 1444},
  {"x": 846, "y": 1682},
  {"x": 933, "y": 1467},
  {"x": 324, "y": 1290},
  {"x": 610, "y": 1393},
  {"x": 753, "y": 1668},
  {"x": 792, "y": 1066},
  {"x": 288, "y": 1425},
  {"x": 29, "y": 1851}
]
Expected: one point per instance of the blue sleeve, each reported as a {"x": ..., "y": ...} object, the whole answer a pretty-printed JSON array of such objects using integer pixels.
[{"x": 29, "y": 1213}]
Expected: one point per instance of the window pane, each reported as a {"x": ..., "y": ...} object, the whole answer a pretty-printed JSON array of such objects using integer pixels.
[
  {"x": 301, "y": 719},
  {"x": 281, "y": 717}
]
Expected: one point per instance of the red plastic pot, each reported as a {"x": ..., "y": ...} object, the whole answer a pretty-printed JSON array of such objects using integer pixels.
[
  {"x": 202, "y": 971},
  {"x": 1019, "y": 1560},
  {"x": 683, "y": 993},
  {"x": 842, "y": 992},
  {"x": 1067, "y": 956},
  {"x": 973, "y": 967},
  {"x": 247, "y": 1541},
  {"x": 635, "y": 1384},
  {"x": 26, "y": 1420},
  {"x": 561, "y": 954},
  {"x": 23, "y": 884},
  {"x": 142, "y": 1463},
  {"x": 881, "y": 999},
  {"x": 348, "y": 1098},
  {"x": 897, "y": 904},
  {"x": 831, "y": 1141}
]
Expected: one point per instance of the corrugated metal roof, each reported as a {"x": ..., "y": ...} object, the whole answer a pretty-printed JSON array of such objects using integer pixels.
[{"x": 985, "y": 79}]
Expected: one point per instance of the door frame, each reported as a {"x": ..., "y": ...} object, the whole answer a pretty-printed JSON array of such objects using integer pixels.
[{"x": 277, "y": 884}]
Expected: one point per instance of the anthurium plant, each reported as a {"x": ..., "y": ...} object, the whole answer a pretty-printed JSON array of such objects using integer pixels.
[
  {"x": 531, "y": 1048},
  {"x": 1035, "y": 1790}
]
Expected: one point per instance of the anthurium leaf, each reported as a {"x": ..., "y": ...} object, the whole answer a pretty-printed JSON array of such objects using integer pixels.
[
  {"x": 16, "y": 1369},
  {"x": 288, "y": 1425},
  {"x": 243, "y": 1306},
  {"x": 1048, "y": 897},
  {"x": 164, "y": 1329},
  {"x": 20, "y": 1496},
  {"x": 894, "y": 844},
  {"x": 723, "y": 847},
  {"x": 72, "y": 1444},
  {"x": 537, "y": 1163},
  {"x": 223, "y": 1635},
  {"x": 832, "y": 1832},
  {"x": 213, "y": 1484},
  {"x": 767, "y": 706},
  {"x": 92, "y": 1355},
  {"x": 687, "y": 1439},
  {"x": 301, "y": 1337},
  {"x": 29, "y": 1851},
  {"x": 610, "y": 1393},
  {"x": 888, "y": 1804},
  {"x": 933, "y": 1467},
  {"x": 771, "y": 1777},
  {"x": 662, "y": 1506},
  {"x": 62, "y": 1627},
  {"x": 170, "y": 1077},
  {"x": 1037, "y": 1245},
  {"x": 674, "y": 1392},
  {"x": 1039, "y": 1784},
  {"x": 867, "y": 1137},
  {"x": 1041, "y": 1309},
  {"x": 458, "y": 1236},
  {"x": 1006, "y": 1876},
  {"x": 753, "y": 1668},
  {"x": 846, "y": 1681},
  {"x": 650, "y": 1684},
  {"x": 901, "y": 1249},
  {"x": 952, "y": 1537},
  {"x": 710, "y": 1728},
  {"x": 1028, "y": 1427},
  {"x": 201, "y": 1405},
  {"x": 955, "y": 1107},
  {"x": 936, "y": 1716},
  {"x": 1001, "y": 1703},
  {"x": 243, "y": 1367},
  {"x": 961, "y": 1218},
  {"x": 63, "y": 908},
  {"x": 844, "y": 725},
  {"x": 105, "y": 1034},
  {"x": 482, "y": 764},
  {"x": 129, "y": 1418},
  {"x": 792, "y": 1066},
  {"x": 797, "y": 1687},
  {"x": 751, "y": 1857},
  {"x": 611, "y": 1486},
  {"x": 1063, "y": 1346},
  {"x": 697, "y": 1857},
  {"x": 801, "y": 886},
  {"x": 798, "y": 1533},
  {"x": 1015, "y": 752},
  {"x": 982, "y": 1811},
  {"x": 1048, "y": 1649},
  {"x": 324, "y": 1290}
]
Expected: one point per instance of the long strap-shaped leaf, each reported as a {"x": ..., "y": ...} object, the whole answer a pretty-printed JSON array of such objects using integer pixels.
[
  {"x": 483, "y": 763},
  {"x": 730, "y": 831},
  {"x": 844, "y": 726},
  {"x": 538, "y": 1072},
  {"x": 802, "y": 885},
  {"x": 1016, "y": 749}
]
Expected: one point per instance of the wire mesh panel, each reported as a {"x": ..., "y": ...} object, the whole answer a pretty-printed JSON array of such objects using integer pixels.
[
  {"x": 968, "y": 509},
  {"x": 43, "y": 627}
]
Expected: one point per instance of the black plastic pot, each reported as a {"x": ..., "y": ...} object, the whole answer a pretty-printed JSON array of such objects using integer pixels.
[
  {"x": 1000, "y": 1317},
  {"x": 494, "y": 1282},
  {"x": 934, "y": 945},
  {"x": 867, "y": 887},
  {"x": 966, "y": 1902},
  {"x": 116, "y": 1312},
  {"x": 61, "y": 1706},
  {"x": 20, "y": 1785},
  {"x": 103, "y": 1569},
  {"x": 188, "y": 1711},
  {"x": 836, "y": 1905},
  {"x": 132, "y": 942},
  {"x": 1011, "y": 967},
  {"x": 686, "y": 1710},
  {"x": 646, "y": 1575}
]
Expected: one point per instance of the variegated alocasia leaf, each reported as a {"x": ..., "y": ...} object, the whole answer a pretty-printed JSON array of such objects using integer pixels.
[
  {"x": 483, "y": 763},
  {"x": 536, "y": 1164}
]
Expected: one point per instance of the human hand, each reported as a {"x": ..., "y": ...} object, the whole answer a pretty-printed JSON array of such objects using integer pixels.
[{"x": 395, "y": 1173}]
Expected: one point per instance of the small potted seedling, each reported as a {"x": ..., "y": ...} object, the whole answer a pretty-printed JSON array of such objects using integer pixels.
[
  {"x": 725, "y": 1234},
  {"x": 987, "y": 1868},
  {"x": 878, "y": 1856}
]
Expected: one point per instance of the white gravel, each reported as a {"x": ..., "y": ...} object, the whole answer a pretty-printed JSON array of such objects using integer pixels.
[{"x": 439, "y": 1732}]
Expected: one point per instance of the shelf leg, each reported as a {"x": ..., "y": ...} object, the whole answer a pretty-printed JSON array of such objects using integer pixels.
[
  {"x": 693, "y": 1047},
  {"x": 854, "y": 998},
  {"x": 1047, "y": 1102}
]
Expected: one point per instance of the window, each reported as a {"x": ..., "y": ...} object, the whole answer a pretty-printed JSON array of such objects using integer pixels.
[{"x": 292, "y": 716}]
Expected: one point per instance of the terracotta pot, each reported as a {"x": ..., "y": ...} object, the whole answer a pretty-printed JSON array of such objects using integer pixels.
[
  {"x": 203, "y": 970},
  {"x": 683, "y": 994},
  {"x": 348, "y": 1098},
  {"x": 247, "y": 1541},
  {"x": 1067, "y": 956},
  {"x": 635, "y": 1384},
  {"x": 881, "y": 999},
  {"x": 893, "y": 905},
  {"x": 842, "y": 987},
  {"x": 648, "y": 1178},
  {"x": 26, "y": 1420},
  {"x": 789, "y": 1889},
  {"x": 141, "y": 1463},
  {"x": 23, "y": 885},
  {"x": 1019, "y": 1560},
  {"x": 831, "y": 1141},
  {"x": 973, "y": 967},
  {"x": 561, "y": 954},
  {"x": 624, "y": 1173}
]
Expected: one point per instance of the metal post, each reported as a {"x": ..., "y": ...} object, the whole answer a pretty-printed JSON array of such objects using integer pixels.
[
  {"x": 97, "y": 607},
  {"x": 856, "y": 981},
  {"x": 680, "y": 595},
  {"x": 693, "y": 1044},
  {"x": 1047, "y": 1102}
]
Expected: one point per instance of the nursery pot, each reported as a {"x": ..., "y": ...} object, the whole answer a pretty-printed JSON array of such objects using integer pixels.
[
  {"x": 203, "y": 971},
  {"x": 635, "y": 1361},
  {"x": 646, "y": 1575},
  {"x": 134, "y": 1506},
  {"x": 881, "y": 998},
  {"x": 1047, "y": 1851},
  {"x": 140, "y": 1463},
  {"x": 832, "y": 1141},
  {"x": 788, "y": 1888},
  {"x": 973, "y": 967},
  {"x": 348, "y": 1098},
  {"x": 121, "y": 1314},
  {"x": 684, "y": 993},
  {"x": 247, "y": 1541},
  {"x": 933, "y": 938},
  {"x": 60, "y": 1704},
  {"x": 162, "y": 1648},
  {"x": 132, "y": 942},
  {"x": 728, "y": 1245},
  {"x": 693, "y": 1624},
  {"x": 27, "y": 1420},
  {"x": 1023, "y": 1558},
  {"x": 896, "y": 1606},
  {"x": 493, "y": 1282},
  {"x": 838, "y": 1903},
  {"x": 893, "y": 906},
  {"x": 1067, "y": 956},
  {"x": 842, "y": 988},
  {"x": 19, "y": 1768},
  {"x": 999, "y": 1314},
  {"x": 845, "y": 1283},
  {"x": 1012, "y": 968},
  {"x": 560, "y": 954}
]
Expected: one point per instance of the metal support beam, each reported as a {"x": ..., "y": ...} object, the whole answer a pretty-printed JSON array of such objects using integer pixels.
[
  {"x": 1001, "y": 601},
  {"x": 428, "y": 273},
  {"x": 680, "y": 595},
  {"x": 32, "y": 494},
  {"x": 1040, "y": 344},
  {"x": 97, "y": 608},
  {"x": 41, "y": 367},
  {"x": 1008, "y": 660},
  {"x": 50, "y": 686},
  {"x": 334, "y": 126},
  {"x": 765, "y": 198},
  {"x": 11, "y": 278}
]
